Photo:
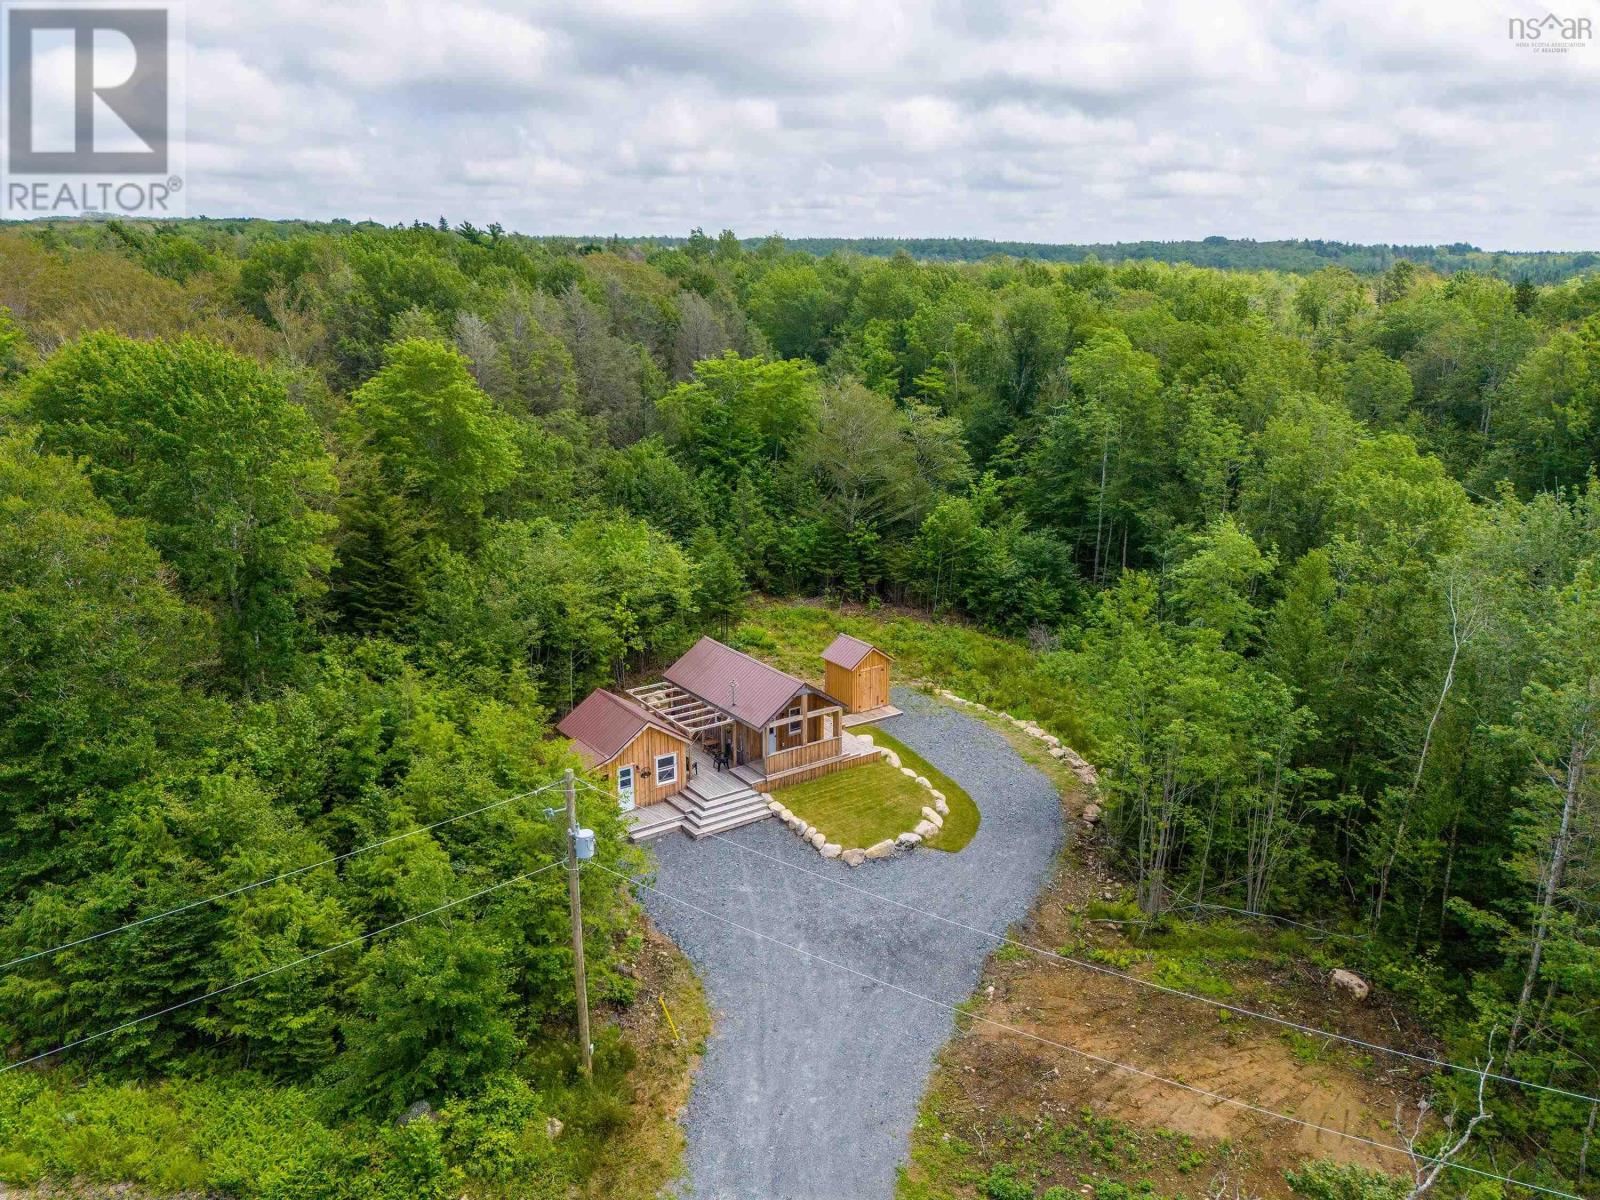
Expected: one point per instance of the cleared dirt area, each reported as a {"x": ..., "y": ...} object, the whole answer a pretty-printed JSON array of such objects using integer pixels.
[
  {"x": 1188, "y": 1043},
  {"x": 1001, "y": 1096},
  {"x": 666, "y": 1027}
]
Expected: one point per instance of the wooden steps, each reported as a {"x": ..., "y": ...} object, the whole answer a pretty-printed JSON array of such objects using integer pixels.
[
  {"x": 655, "y": 820},
  {"x": 719, "y": 806},
  {"x": 730, "y": 809}
]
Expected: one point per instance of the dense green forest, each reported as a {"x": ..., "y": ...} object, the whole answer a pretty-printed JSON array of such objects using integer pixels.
[{"x": 308, "y": 532}]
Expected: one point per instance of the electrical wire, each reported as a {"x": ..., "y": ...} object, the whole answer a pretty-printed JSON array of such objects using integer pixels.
[
  {"x": 1197, "y": 905},
  {"x": 1102, "y": 969},
  {"x": 843, "y": 810},
  {"x": 279, "y": 878},
  {"x": 301, "y": 961},
  {"x": 1100, "y": 1059}
]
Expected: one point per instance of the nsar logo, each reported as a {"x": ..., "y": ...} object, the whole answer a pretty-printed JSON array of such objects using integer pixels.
[{"x": 1550, "y": 34}]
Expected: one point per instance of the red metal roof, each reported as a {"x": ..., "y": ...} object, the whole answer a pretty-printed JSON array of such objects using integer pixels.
[
  {"x": 603, "y": 725},
  {"x": 847, "y": 652},
  {"x": 744, "y": 687}
]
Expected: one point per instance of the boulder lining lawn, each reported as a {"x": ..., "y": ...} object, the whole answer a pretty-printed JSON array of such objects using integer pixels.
[{"x": 812, "y": 1075}]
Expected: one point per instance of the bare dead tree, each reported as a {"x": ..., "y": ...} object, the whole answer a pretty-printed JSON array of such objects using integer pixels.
[
  {"x": 1228, "y": 1184},
  {"x": 1569, "y": 777},
  {"x": 301, "y": 332},
  {"x": 1466, "y": 619},
  {"x": 475, "y": 339},
  {"x": 1588, "y": 1139},
  {"x": 1426, "y": 1168}
]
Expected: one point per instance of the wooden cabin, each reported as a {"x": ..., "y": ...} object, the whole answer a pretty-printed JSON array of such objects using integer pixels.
[
  {"x": 857, "y": 673},
  {"x": 750, "y": 717},
  {"x": 645, "y": 758},
  {"x": 716, "y": 732}
]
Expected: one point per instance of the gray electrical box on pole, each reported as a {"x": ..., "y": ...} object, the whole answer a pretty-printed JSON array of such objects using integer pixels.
[{"x": 580, "y": 847}]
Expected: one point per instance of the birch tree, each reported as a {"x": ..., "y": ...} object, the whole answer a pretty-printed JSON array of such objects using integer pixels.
[
  {"x": 1465, "y": 617},
  {"x": 1558, "y": 723}
]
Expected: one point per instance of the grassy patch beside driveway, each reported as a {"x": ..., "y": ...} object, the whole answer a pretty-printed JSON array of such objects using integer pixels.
[
  {"x": 860, "y": 806},
  {"x": 961, "y": 823},
  {"x": 865, "y": 805}
]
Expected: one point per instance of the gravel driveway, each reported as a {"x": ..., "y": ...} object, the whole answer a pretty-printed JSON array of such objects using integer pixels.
[{"x": 812, "y": 1076}]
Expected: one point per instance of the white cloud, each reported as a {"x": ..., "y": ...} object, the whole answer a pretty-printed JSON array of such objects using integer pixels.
[{"x": 1073, "y": 120}]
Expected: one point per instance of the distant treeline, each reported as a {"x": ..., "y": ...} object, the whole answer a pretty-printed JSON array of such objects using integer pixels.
[
  {"x": 1300, "y": 256},
  {"x": 1239, "y": 254}
]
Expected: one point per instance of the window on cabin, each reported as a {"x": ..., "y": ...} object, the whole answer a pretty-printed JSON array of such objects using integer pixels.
[
  {"x": 795, "y": 720},
  {"x": 666, "y": 769}
]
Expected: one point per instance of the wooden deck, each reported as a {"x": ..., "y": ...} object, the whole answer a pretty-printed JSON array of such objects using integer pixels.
[
  {"x": 715, "y": 801},
  {"x": 850, "y": 751},
  {"x": 780, "y": 761},
  {"x": 710, "y": 782},
  {"x": 882, "y": 713},
  {"x": 654, "y": 820}
]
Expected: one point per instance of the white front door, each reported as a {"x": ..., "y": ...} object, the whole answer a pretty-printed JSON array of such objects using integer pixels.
[{"x": 625, "y": 788}]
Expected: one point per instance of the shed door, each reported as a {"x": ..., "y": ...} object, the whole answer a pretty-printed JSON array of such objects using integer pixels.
[
  {"x": 874, "y": 686},
  {"x": 625, "y": 788}
]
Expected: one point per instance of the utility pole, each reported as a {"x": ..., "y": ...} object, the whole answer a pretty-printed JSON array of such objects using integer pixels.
[{"x": 575, "y": 907}]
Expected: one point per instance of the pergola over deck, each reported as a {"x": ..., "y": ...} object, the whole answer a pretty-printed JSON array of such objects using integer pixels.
[
  {"x": 676, "y": 706},
  {"x": 758, "y": 713}
]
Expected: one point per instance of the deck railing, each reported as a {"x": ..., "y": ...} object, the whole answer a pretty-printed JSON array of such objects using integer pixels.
[{"x": 800, "y": 756}]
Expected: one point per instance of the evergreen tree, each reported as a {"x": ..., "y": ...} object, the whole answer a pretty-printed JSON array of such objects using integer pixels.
[{"x": 378, "y": 571}]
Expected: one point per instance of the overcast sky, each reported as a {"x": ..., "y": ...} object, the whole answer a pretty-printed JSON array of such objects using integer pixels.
[{"x": 1064, "y": 122}]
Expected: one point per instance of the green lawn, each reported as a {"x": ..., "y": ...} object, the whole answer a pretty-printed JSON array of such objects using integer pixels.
[
  {"x": 864, "y": 805},
  {"x": 961, "y": 822},
  {"x": 859, "y": 806}
]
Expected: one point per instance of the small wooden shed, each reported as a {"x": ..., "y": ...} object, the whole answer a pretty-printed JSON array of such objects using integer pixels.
[
  {"x": 857, "y": 673},
  {"x": 645, "y": 758}
]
